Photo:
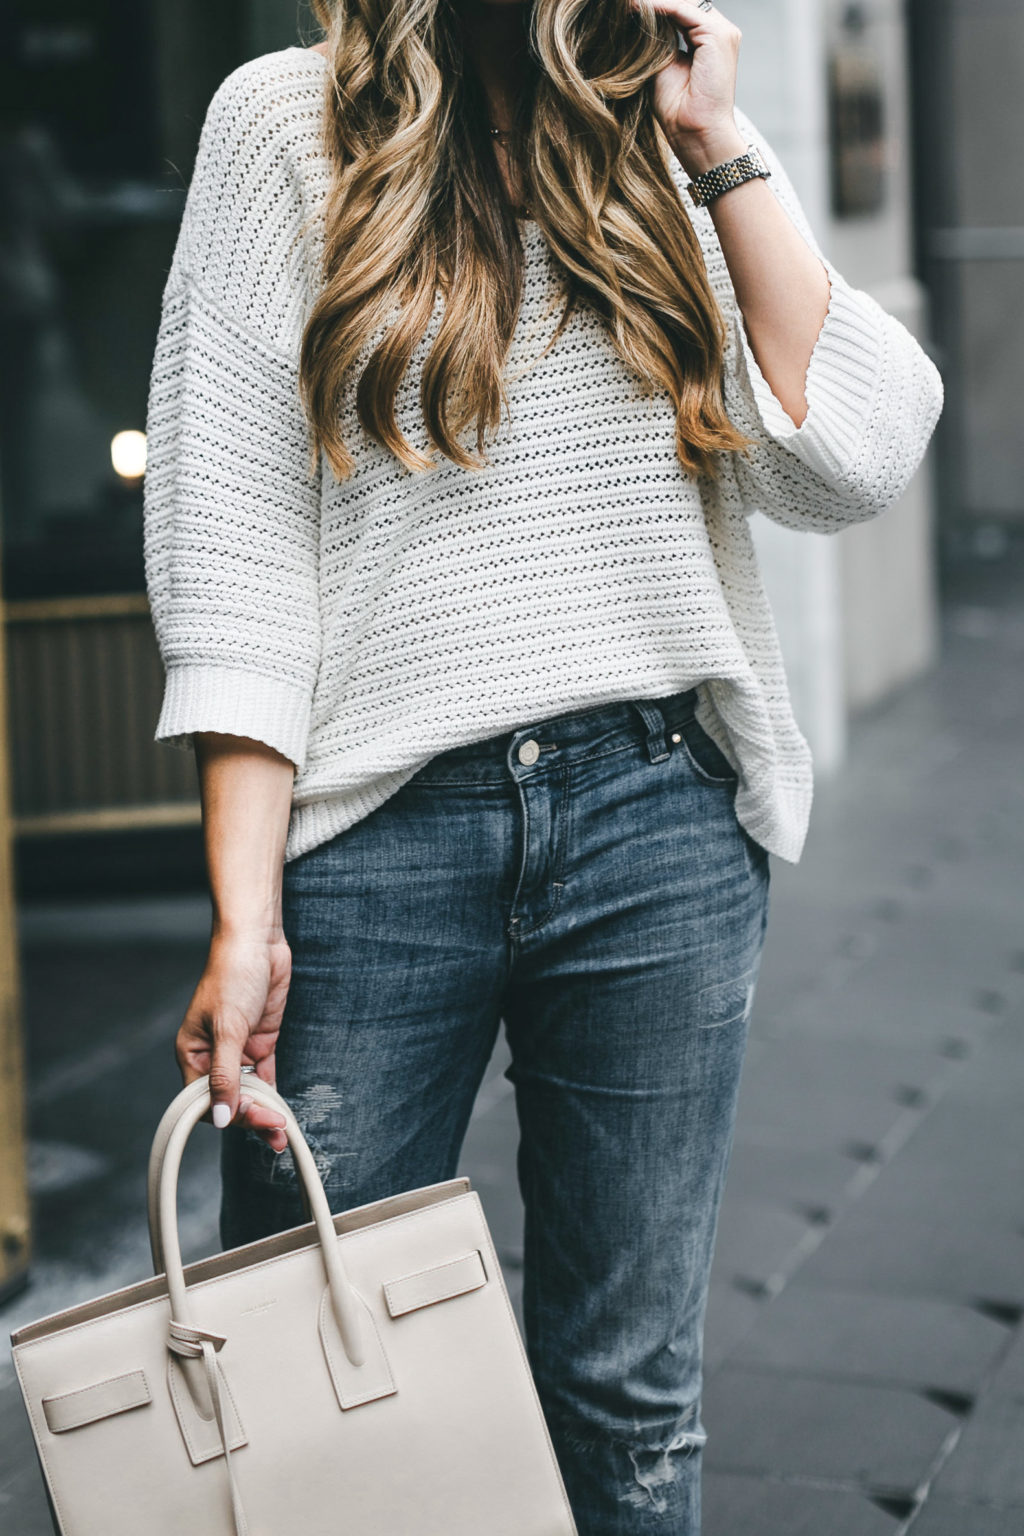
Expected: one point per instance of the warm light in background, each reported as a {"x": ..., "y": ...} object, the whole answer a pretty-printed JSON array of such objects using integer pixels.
[{"x": 128, "y": 454}]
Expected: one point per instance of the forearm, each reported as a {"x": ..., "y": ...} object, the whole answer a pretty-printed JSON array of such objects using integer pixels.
[
  {"x": 781, "y": 286},
  {"x": 246, "y": 791}
]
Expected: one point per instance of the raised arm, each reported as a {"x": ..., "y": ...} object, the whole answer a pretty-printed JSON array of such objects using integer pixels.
[{"x": 839, "y": 398}]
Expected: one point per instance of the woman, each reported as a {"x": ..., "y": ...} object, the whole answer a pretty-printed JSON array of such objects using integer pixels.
[{"x": 452, "y": 454}]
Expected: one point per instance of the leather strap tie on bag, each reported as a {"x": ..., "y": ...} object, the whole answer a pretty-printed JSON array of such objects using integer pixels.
[{"x": 199, "y": 1343}]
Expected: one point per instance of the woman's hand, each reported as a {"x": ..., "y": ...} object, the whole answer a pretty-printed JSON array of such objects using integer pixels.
[
  {"x": 695, "y": 94},
  {"x": 236, "y": 1010},
  {"x": 235, "y": 1017}
]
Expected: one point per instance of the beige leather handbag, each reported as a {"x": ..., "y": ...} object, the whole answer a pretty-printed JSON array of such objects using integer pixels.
[{"x": 360, "y": 1375}]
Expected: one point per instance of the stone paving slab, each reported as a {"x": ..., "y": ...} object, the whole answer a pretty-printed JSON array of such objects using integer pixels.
[
  {"x": 991, "y": 1079},
  {"x": 1008, "y": 1380},
  {"x": 955, "y": 1191},
  {"x": 877, "y": 1439},
  {"x": 961, "y": 927},
  {"x": 988, "y": 1466},
  {"x": 747, "y": 1506},
  {"x": 755, "y": 1240},
  {"x": 920, "y": 1256},
  {"x": 885, "y": 1339},
  {"x": 848, "y": 1065},
  {"x": 941, "y": 1517},
  {"x": 732, "y": 1312},
  {"x": 814, "y": 1120},
  {"x": 797, "y": 1180},
  {"x": 977, "y": 1143},
  {"x": 889, "y": 1005}
]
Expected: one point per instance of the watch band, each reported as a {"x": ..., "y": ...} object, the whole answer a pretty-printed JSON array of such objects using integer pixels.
[{"x": 731, "y": 173}]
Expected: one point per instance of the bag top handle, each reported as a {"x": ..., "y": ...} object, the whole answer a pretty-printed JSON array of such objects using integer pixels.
[
  {"x": 161, "y": 1136},
  {"x": 176, "y": 1125}
]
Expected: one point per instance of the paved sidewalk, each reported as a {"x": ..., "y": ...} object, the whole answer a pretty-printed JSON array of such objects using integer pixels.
[{"x": 865, "y": 1349}]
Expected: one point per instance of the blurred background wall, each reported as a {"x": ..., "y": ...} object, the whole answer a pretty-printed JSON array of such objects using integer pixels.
[{"x": 893, "y": 118}]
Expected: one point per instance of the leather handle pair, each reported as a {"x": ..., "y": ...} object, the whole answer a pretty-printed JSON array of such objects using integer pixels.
[{"x": 179, "y": 1119}]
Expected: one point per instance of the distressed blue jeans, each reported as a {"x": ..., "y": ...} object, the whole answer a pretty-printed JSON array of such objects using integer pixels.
[{"x": 585, "y": 881}]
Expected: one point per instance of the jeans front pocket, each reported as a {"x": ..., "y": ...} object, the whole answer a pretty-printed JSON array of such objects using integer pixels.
[{"x": 706, "y": 758}]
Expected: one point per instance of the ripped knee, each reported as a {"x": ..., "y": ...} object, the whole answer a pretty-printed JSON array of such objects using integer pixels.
[{"x": 655, "y": 1468}]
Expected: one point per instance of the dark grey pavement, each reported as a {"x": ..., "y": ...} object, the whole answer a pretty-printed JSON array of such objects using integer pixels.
[{"x": 865, "y": 1351}]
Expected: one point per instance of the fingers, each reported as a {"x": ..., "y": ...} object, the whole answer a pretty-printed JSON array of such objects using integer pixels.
[
  {"x": 689, "y": 14},
  {"x": 258, "y": 1117},
  {"x": 699, "y": 13},
  {"x": 209, "y": 1046},
  {"x": 225, "y": 1070}
]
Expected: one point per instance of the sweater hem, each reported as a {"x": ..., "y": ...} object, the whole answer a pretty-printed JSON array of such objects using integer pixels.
[{"x": 317, "y": 821}]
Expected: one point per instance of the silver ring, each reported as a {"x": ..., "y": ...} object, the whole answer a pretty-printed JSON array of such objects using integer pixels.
[{"x": 248, "y": 1069}]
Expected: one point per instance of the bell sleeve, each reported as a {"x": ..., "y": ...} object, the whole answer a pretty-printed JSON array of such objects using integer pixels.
[{"x": 873, "y": 395}]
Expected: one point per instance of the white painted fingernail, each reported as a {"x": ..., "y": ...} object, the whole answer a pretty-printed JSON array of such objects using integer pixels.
[{"x": 221, "y": 1115}]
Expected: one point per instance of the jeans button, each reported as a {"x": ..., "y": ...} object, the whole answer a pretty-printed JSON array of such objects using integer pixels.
[
  {"x": 676, "y": 737},
  {"x": 529, "y": 752}
]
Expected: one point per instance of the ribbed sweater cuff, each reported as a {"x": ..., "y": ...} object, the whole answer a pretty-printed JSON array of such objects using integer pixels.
[
  {"x": 237, "y": 703},
  {"x": 841, "y": 380}
]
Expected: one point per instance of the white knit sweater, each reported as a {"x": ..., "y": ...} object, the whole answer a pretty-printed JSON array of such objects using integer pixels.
[{"x": 360, "y": 628}]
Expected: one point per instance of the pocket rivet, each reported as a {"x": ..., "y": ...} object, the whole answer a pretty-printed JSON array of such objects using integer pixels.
[{"x": 676, "y": 736}]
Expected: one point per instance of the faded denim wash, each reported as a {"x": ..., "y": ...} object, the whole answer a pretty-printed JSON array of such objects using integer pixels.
[{"x": 583, "y": 878}]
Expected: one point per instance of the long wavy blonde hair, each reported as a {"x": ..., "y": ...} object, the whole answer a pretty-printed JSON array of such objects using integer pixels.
[{"x": 416, "y": 206}]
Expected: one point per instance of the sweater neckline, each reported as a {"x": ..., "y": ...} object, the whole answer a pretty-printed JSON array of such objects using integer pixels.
[{"x": 315, "y": 54}]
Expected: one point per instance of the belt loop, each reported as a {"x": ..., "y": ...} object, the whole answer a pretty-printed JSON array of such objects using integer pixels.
[{"x": 651, "y": 715}]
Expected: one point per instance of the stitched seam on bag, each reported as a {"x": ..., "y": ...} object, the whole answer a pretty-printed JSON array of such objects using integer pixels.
[
  {"x": 183, "y": 1420},
  {"x": 182, "y": 1416},
  {"x": 434, "y": 1269},
  {"x": 437, "y": 1269},
  {"x": 336, "y": 1377},
  {"x": 107, "y": 1413},
  {"x": 108, "y": 1381}
]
